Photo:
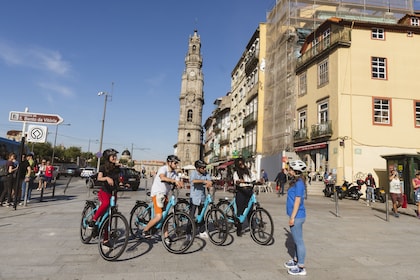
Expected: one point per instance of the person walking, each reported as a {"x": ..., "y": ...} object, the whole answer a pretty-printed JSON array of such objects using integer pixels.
[
  {"x": 243, "y": 180},
  {"x": 370, "y": 189},
  {"x": 8, "y": 180},
  {"x": 281, "y": 180},
  {"x": 395, "y": 190},
  {"x": 416, "y": 186},
  {"x": 200, "y": 180},
  {"x": 296, "y": 211}
]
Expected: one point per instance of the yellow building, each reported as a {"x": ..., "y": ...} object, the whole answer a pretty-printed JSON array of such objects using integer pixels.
[{"x": 358, "y": 95}]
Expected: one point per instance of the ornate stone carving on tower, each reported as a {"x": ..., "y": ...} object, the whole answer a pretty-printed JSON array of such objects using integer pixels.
[{"x": 191, "y": 104}]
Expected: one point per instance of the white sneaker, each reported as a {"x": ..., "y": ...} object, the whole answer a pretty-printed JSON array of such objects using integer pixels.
[
  {"x": 297, "y": 271},
  {"x": 290, "y": 264},
  {"x": 203, "y": 235}
]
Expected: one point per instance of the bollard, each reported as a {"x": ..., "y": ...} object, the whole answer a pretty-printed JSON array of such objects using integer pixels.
[
  {"x": 336, "y": 204},
  {"x": 386, "y": 208},
  {"x": 42, "y": 194}
]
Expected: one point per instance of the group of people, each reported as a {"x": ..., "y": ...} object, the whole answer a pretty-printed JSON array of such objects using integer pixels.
[
  {"x": 200, "y": 181},
  {"x": 23, "y": 173}
]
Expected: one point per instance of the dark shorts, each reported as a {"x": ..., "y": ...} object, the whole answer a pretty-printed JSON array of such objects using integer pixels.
[{"x": 396, "y": 197}]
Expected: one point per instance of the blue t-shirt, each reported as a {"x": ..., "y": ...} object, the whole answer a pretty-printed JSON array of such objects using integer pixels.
[
  {"x": 198, "y": 191},
  {"x": 297, "y": 190}
]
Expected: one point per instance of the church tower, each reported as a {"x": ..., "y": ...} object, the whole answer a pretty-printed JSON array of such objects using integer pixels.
[{"x": 191, "y": 104}]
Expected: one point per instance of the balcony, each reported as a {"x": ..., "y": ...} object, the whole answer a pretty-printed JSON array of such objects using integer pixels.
[
  {"x": 301, "y": 135},
  {"x": 321, "y": 130},
  {"x": 249, "y": 120},
  {"x": 248, "y": 151},
  {"x": 252, "y": 63},
  {"x": 224, "y": 139}
]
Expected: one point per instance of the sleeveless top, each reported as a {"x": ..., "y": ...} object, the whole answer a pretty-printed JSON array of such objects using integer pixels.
[{"x": 416, "y": 183}]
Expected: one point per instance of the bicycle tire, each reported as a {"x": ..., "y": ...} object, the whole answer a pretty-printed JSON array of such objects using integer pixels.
[
  {"x": 216, "y": 226},
  {"x": 140, "y": 215},
  {"x": 87, "y": 214},
  {"x": 262, "y": 226},
  {"x": 227, "y": 208},
  {"x": 177, "y": 223},
  {"x": 116, "y": 234}
]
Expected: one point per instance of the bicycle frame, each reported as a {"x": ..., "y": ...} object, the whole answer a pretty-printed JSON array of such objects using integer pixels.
[
  {"x": 249, "y": 207},
  {"x": 101, "y": 220},
  {"x": 200, "y": 217}
]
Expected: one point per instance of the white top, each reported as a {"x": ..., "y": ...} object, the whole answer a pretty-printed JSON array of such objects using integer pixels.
[
  {"x": 247, "y": 179},
  {"x": 163, "y": 187},
  {"x": 395, "y": 186}
]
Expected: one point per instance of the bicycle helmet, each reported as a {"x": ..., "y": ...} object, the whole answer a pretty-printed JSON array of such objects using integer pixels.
[
  {"x": 109, "y": 152},
  {"x": 199, "y": 163},
  {"x": 173, "y": 158},
  {"x": 298, "y": 165}
]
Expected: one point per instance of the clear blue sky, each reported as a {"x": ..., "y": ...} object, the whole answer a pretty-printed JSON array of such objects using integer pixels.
[{"x": 55, "y": 56}]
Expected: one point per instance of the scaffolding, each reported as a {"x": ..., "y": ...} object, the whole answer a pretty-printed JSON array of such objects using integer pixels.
[{"x": 288, "y": 24}]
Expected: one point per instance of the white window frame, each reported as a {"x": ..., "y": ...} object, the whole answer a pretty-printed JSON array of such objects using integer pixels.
[
  {"x": 303, "y": 87},
  {"x": 323, "y": 72},
  {"x": 381, "y": 110},
  {"x": 378, "y": 34},
  {"x": 414, "y": 21},
  {"x": 326, "y": 38},
  {"x": 379, "y": 68},
  {"x": 302, "y": 118},
  {"x": 417, "y": 113},
  {"x": 323, "y": 112}
]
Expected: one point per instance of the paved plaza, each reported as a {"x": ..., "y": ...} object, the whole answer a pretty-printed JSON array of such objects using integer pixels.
[{"x": 41, "y": 241}]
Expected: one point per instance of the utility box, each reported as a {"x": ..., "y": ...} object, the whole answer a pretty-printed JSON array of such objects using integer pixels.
[{"x": 407, "y": 166}]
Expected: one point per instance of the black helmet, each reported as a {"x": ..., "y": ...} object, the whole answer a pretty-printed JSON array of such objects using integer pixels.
[
  {"x": 173, "y": 158},
  {"x": 109, "y": 152},
  {"x": 200, "y": 163}
]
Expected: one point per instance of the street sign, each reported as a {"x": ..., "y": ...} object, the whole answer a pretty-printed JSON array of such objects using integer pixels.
[
  {"x": 34, "y": 117},
  {"x": 37, "y": 133}
]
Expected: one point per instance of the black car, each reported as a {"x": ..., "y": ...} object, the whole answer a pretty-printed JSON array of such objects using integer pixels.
[
  {"x": 69, "y": 170},
  {"x": 128, "y": 177}
]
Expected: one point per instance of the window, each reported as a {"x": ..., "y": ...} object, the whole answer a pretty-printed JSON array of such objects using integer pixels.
[
  {"x": 189, "y": 115},
  {"x": 378, "y": 34},
  {"x": 417, "y": 113},
  {"x": 323, "y": 73},
  {"x": 188, "y": 137},
  {"x": 302, "y": 84},
  {"x": 381, "y": 111},
  {"x": 315, "y": 43},
  {"x": 379, "y": 68},
  {"x": 323, "y": 112},
  {"x": 414, "y": 21},
  {"x": 302, "y": 119},
  {"x": 326, "y": 38}
]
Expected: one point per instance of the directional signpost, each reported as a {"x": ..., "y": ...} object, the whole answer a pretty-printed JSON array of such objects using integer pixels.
[{"x": 34, "y": 117}]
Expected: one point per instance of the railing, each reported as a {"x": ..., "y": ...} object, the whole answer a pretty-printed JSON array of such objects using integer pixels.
[
  {"x": 248, "y": 151},
  {"x": 321, "y": 130},
  {"x": 250, "y": 119},
  {"x": 301, "y": 135},
  {"x": 224, "y": 139}
]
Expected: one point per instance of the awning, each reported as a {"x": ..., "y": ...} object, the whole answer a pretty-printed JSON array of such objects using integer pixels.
[
  {"x": 311, "y": 147},
  {"x": 225, "y": 164}
]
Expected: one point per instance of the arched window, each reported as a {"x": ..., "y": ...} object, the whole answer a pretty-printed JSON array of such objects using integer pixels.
[
  {"x": 189, "y": 115},
  {"x": 188, "y": 137}
]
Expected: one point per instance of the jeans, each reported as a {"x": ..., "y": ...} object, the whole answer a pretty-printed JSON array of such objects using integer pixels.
[
  {"x": 370, "y": 194},
  {"x": 297, "y": 234},
  {"x": 30, "y": 186}
]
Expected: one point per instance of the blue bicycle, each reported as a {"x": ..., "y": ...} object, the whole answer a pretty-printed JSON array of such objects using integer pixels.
[
  {"x": 214, "y": 219},
  {"x": 174, "y": 220},
  {"x": 111, "y": 229},
  {"x": 260, "y": 221}
]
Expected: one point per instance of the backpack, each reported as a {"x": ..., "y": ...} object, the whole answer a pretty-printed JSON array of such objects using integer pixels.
[{"x": 3, "y": 170}]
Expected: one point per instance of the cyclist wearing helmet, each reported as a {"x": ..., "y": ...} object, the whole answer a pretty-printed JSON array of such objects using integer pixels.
[
  {"x": 108, "y": 176},
  {"x": 243, "y": 180},
  {"x": 199, "y": 180},
  {"x": 297, "y": 214},
  {"x": 165, "y": 176}
]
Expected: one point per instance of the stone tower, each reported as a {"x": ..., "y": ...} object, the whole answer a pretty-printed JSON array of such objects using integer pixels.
[{"x": 191, "y": 104}]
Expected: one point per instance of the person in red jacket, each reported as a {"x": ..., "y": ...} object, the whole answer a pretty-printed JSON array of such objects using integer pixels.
[{"x": 48, "y": 175}]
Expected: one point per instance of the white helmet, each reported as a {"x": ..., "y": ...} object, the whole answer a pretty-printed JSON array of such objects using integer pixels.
[{"x": 297, "y": 165}]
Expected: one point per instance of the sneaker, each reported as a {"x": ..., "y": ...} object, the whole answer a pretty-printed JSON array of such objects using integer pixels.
[
  {"x": 396, "y": 215},
  {"x": 187, "y": 239},
  {"x": 297, "y": 271},
  {"x": 168, "y": 241},
  {"x": 203, "y": 235},
  {"x": 290, "y": 264},
  {"x": 91, "y": 225},
  {"x": 146, "y": 234}
]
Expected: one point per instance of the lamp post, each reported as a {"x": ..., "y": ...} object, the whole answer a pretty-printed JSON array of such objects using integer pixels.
[
  {"x": 102, "y": 131},
  {"x": 55, "y": 140},
  {"x": 90, "y": 140}
]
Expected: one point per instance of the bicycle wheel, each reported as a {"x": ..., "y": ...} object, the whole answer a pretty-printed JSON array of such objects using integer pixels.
[
  {"x": 183, "y": 205},
  {"x": 262, "y": 227},
  {"x": 228, "y": 210},
  {"x": 216, "y": 226},
  {"x": 177, "y": 241},
  {"x": 140, "y": 215},
  {"x": 113, "y": 237},
  {"x": 87, "y": 214}
]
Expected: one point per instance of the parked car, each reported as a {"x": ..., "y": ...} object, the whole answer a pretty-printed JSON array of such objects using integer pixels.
[
  {"x": 70, "y": 170},
  {"x": 87, "y": 172},
  {"x": 128, "y": 177}
]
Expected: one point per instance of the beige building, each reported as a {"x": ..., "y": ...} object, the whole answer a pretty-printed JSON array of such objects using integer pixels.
[{"x": 358, "y": 95}]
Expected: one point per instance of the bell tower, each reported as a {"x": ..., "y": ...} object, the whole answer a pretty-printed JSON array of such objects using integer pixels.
[{"x": 191, "y": 104}]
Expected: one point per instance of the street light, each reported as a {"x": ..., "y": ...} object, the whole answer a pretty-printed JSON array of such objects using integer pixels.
[
  {"x": 90, "y": 140},
  {"x": 55, "y": 140},
  {"x": 102, "y": 131}
]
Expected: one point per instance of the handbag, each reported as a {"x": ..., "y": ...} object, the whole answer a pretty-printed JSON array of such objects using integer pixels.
[{"x": 404, "y": 204}]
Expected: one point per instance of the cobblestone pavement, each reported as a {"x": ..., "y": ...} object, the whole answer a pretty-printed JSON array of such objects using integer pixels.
[{"x": 41, "y": 241}]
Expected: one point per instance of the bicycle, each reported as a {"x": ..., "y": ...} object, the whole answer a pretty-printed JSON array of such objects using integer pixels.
[
  {"x": 214, "y": 219},
  {"x": 175, "y": 220},
  {"x": 113, "y": 233},
  {"x": 260, "y": 222}
]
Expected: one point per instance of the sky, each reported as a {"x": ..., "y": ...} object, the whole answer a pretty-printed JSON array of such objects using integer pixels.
[{"x": 55, "y": 56}]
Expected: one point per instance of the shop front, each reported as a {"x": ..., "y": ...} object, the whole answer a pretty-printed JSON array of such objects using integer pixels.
[{"x": 315, "y": 156}]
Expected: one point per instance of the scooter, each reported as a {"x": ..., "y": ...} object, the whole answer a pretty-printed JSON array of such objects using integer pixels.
[
  {"x": 350, "y": 190},
  {"x": 380, "y": 194},
  {"x": 329, "y": 188}
]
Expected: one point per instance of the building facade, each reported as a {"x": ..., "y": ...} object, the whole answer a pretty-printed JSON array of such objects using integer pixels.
[{"x": 190, "y": 131}]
